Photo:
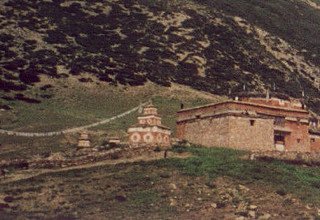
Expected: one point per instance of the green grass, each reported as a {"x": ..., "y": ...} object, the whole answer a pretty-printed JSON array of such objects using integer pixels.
[
  {"x": 80, "y": 105},
  {"x": 304, "y": 182},
  {"x": 69, "y": 109},
  {"x": 72, "y": 107},
  {"x": 144, "y": 198},
  {"x": 144, "y": 185}
]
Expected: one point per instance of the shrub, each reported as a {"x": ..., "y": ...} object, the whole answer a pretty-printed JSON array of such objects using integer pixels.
[
  {"x": 29, "y": 76},
  {"x": 179, "y": 148},
  {"x": 281, "y": 192},
  {"x": 55, "y": 37}
]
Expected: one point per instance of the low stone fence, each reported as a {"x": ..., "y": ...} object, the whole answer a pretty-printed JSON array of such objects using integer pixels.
[
  {"x": 14, "y": 164},
  {"x": 299, "y": 158},
  {"x": 77, "y": 158}
]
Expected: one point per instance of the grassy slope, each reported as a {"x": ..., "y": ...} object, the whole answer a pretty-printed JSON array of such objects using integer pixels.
[
  {"x": 304, "y": 182},
  {"x": 86, "y": 103},
  {"x": 92, "y": 192}
]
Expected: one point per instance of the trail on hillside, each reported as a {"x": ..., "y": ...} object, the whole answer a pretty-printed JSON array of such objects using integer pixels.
[{"x": 31, "y": 173}]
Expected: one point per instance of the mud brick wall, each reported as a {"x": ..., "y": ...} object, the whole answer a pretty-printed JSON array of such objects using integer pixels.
[
  {"x": 299, "y": 139},
  {"x": 229, "y": 131},
  {"x": 207, "y": 132},
  {"x": 251, "y": 133},
  {"x": 315, "y": 143}
]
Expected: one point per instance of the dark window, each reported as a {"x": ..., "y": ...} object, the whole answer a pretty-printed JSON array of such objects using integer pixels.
[
  {"x": 252, "y": 122},
  {"x": 313, "y": 140},
  {"x": 278, "y": 138},
  {"x": 198, "y": 116},
  {"x": 298, "y": 140}
]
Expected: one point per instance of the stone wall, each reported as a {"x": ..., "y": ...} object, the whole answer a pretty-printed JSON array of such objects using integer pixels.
[
  {"x": 238, "y": 132},
  {"x": 307, "y": 158},
  {"x": 315, "y": 143},
  {"x": 251, "y": 133},
  {"x": 208, "y": 132},
  {"x": 78, "y": 158},
  {"x": 298, "y": 139}
]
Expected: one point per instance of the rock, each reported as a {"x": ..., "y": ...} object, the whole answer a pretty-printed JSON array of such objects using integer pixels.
[
  {"x": 252, "y": 214},
  {"x": 199, "y": 199},
  {"x": 173, "y": 202},
  {"x": 265, "y": 216},
  {"x": 164, "y": 175},
  {"x": 308, "y": 207},
  {"x": 243, "y": 188},
  {"x": 306, "y": 215},
  {"x": 221, "y": 205},
  {"x": 121, "y": 198},
  {"x": 242, "y": 209},
  {"x": 4, "y": 206},
  {"x": 318, "y": 212},
  {"x": 211, "y": 185},
  {"x": 293, "y": 200},
  {"x": 173, "y": 186},
  {"x": 56, "y": 156},
  {"x": 8, "y": 199},
  {"x": 214, "y": 205},
  {"x": 253, "y": 207}
]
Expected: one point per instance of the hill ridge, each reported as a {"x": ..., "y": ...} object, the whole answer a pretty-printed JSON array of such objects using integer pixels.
[{"x": 202, "y": 44}]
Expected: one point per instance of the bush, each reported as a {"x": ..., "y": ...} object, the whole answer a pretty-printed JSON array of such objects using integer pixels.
[
  {"x": 281, "y": 192},
  {"x": 29, "y": 76},
  {"x": 55, "y": 37},
  {"x": 179, "y": 148}
]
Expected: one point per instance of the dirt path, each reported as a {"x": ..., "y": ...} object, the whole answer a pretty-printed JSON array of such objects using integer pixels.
[{"x": 27, "y": 174}]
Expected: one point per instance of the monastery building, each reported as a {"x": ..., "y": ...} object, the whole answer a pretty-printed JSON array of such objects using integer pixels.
[{"x": 252, "y": 122}]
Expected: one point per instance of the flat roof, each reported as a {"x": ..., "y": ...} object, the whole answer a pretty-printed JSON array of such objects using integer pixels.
[
  {"x": 228, "y": 113},
  {"x": 246, "y": 103},
  {"x": 272, "y": 94}
]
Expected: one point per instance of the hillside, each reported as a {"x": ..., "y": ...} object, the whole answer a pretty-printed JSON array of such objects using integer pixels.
[
  {"x": 69, "y": 63},
  {"x": 211, "y": 184},
  {"x": 214, "y": 46},
  {"x": 73, "y": 106}
]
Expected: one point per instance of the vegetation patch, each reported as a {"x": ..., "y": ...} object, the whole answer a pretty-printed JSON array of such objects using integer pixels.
[
  {"x": 213, "y": 181},
  {"x": 215, "y": 162}
]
